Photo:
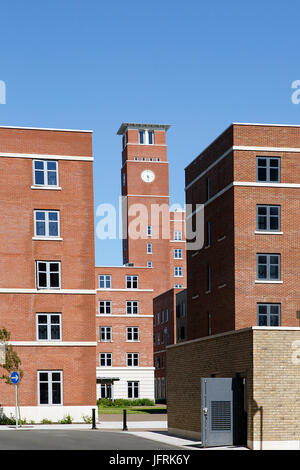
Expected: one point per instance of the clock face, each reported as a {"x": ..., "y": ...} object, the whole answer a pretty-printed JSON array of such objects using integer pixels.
[{"x": 148, "y": 176}]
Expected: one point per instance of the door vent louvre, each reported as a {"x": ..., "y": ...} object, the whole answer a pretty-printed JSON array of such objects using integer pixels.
[{"x": 220, "y": 415}]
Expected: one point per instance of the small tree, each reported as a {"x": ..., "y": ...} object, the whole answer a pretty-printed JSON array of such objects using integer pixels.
[{"x": 12, "y": 361}]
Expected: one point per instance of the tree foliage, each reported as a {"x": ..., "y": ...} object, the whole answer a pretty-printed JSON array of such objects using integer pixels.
[{"x": 12, "y": 361}]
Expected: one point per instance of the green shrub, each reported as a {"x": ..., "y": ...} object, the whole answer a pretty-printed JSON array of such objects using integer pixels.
[
  {"x": 87, "y": 419},
  {"x": 66, "y": 420},
  {"x": 46, "y": 421},
  {"x": 124, "y": 403}
]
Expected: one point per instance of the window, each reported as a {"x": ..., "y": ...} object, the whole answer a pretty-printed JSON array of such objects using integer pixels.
[
  {"x": 105, "y": 359},
  {"x": 268, "y": 314},
  {"x": 141, "y": 137},
  {"x": 177, "y": 271},
  {"x": 104, "y": 281},
  {"x": 268, "y": 169},
  {"x": 50, "y": 387},
  {"x": 150, "y": 137},
  {"x": 207, "y": 188},
  {"x": 45, "y": 173},
  {"x": 149, "y": 264},
  {"x": 162, "y": 316},
  {"x": 178, "y": 253},
  {"x": 131, "y": 282},
  {"x": 267, "y": 218},
  {"x": 149, "y": 230},
  {"x": 149, "y": 248},
  {"x": 132, "y": 359},
  {"x": 105, "y": 391},
  {"x": 150, "y": 159},
  {"x": 167, "y": 315},
  {"x": 178, "y": 286},
  {"x": 48, "y": 274},
  {"x": 105, "y": 333},
  {"x": 177, "y": 235},
  {"x": 46, "y": 223},
  {"x": 158, "y": 318},
  {"x": 268, "y": 267},
  {"x": 132, "y": 333},
  {"x": 207, "y": 233},
  {"x": 105, "y": 307},
  {"x": 208, "y": 286},
  {"x": 158, "y": 159},
  {"x": 133, "y": 389},
  {"x": 136, "y": 158},
  {"x": 48, "y": 326},
  {"x": 132, "y": 307}
]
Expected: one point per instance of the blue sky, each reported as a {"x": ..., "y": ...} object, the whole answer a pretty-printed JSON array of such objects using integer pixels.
[{"x": 196, "y": 65}]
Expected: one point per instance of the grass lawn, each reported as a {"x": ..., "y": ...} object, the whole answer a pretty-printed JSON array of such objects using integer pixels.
[{"x": 111, "y": 410}]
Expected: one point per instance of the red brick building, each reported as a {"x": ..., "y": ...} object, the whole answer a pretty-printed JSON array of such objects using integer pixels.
[
  {"x": 47, "y": 288},
  {"x": 154, "y": 262},
  {"x": 247, "y": 274}
]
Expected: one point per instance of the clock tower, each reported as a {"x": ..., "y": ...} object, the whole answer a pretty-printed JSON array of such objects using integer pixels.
[{"x": 145, "y": 191}]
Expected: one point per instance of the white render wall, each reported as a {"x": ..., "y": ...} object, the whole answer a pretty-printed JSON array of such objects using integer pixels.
[
  {"x": 143, "y": 375},
  {"x": 52, "y": 413}
]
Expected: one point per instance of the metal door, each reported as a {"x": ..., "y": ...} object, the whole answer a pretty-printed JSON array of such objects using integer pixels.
[{"x": 217, "y": 411}]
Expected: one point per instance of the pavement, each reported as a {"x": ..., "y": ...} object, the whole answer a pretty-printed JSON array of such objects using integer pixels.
[{"x": 143, "y": 426}]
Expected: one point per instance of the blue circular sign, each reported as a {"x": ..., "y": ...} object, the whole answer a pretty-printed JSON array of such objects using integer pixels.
[{"x": 15, "y": 377}]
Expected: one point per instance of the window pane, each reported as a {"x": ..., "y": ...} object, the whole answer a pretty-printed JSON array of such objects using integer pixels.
[
  {"x": 56, "y": 394},
  {"x": 53, "y": 229},
  {"x": 52, "y": 180},
  {"x": 55, "y": 332},
  {"x": 44, "y": 395},
  {"x": 42, "y": 332},
  {"x": 54, "y": 280},
  {"x": 40, "y": 228},
  {"x": 42, "y": 279}
]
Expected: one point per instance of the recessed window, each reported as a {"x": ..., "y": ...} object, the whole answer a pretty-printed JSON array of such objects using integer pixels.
[
  {"x": 46, "y": 223},
  {"x": 208, "y": 278},
  {"x": 268, "y": 169},
  {"x": 133, "y": 390},
  {"x": 48, "y": 274},
  {"x": 150, "y": 137},
  {"x": 48, "y": 326},
  {"x": 149, "y": 230},
  {"x": 150, "y": 159},
  {"x": 132, "y": 333},
  {"x": 178, "y": 271},
  {"x": 132, "y": 307},
  {"x": 131, "y": 282},
  {"x": 158, "y": 159},
  {"x": 207, "y": 188},
  {"x": 146, "y": 137},
  {"x": 149, "y": 264},
  {"x": 136, "y": 159},
  {"x": 178, "y": 286},
  {"x": 132, "y": 359},
  {"x": 207, "y": 234},
  {"x": 268, "y": 314},
  {"x": 178, "y": 253},
  {"x": 268, "y": 267},
  {"x": 177, "y": 235},
  {"x": 105, "y": 359},
  {"x": 141, "y": 137},
  {"x": 104, "y": 281},
  {"x": 149, "y": 248},
  {"x": 105, "y": 333},
  {"x": 50, "y": 387},
  {"x": 267, "y": 218},
  {"x": 45, "y": 173},
  {"x": 105, "y": 307}
]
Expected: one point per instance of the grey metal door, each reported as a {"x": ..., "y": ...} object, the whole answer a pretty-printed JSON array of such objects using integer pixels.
[{"x": 217, "y": 411}]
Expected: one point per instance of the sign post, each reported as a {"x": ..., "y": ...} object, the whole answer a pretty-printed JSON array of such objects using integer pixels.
[{"x": 15, "y": 380}]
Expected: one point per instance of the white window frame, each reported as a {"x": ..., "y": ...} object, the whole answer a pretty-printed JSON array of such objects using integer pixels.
[
  {"x": 132, "y": 334},
  {"x": 177, "y": 253},
  {"x": 178, "y": 235},
  {"x": 149, "y": 230},
  {"x": 149, "y": 248},
  {"x": 132, "y": 359},
  {"x": 48, "y": 325},
  {"x": 50, "y": 382},
  {"x": 107, "y": 336},
  {"x": 47, "y": 223},
  {"x": 45, "y": 171},
  {"x": 106, "y": 358},
  {"x": 48, "y": 273},
  {"x": 106, "y": 281},
  {"x": 178, "y": 271},
  {"x": 133, "y": 386},
  {"x": 131, "y": 279},
  {"x": 132, "y": 304},
  {"x": 107, "y": 305}
]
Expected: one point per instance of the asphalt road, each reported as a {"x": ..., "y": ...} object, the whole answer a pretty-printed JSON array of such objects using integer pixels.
[{"x": 76, "y": 440}]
